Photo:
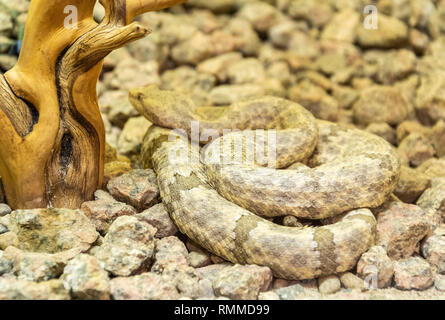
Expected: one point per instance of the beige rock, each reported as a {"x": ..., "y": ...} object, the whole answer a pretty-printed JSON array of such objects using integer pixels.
[
  {"x": 412, "y": 183},
  {"x": 381, "y": 104}
]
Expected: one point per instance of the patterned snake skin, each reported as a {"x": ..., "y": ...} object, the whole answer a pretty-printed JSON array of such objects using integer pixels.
[{"x": 224, "y": 205}]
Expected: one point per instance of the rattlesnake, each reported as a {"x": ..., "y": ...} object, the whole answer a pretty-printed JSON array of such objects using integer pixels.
[{"x": 224, "y": 207}]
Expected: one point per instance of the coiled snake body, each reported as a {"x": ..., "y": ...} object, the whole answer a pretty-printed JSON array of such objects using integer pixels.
[{"x": 224, "y": 206}]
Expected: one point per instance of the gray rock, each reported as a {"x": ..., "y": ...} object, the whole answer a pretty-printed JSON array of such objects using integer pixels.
[
  {"x": 433, "y": 249},
  {"x": 198, "y": 259},
  {"x": 133, "y": 133},
  {"x": 127, "y": 248},
  {"x": 439, "y": 282},
  {"x": 4, "y": 209},
  {"x": 85, "y": 279},
  {"x": 242, "y": 282}
]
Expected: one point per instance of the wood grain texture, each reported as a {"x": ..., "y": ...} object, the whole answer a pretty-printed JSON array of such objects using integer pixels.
[{"x": 52, "y": 136}]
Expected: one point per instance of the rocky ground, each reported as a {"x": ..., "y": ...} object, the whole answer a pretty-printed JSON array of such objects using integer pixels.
[{"x": 123, "y": 245}]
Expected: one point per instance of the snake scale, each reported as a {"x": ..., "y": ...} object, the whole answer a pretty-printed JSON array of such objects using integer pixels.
[{"x": 226, "y": 206}]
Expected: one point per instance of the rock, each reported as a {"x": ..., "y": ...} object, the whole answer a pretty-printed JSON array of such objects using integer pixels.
[
  {"x": 85, "y": 279},
  {"x": 138, "y": 188},
  {"x": 247, "y": 40},
  {"x": 438, "y": 138},
  {"x": 200, "y": 47},
  {"x": 219, "y": 65},
  {"x": 381, "y": 104},
  {"x": 384, "y": 130},
  {"x": 400, "y": 227},
  {"x": 432, "y": 201},
  {"x": 415, "y": 149},
  {"x": 211, "y": 271},
  {"x": 433, "y": 168},
  {"x": 261, "y": 15},
  {"x": 315, "y": 99},
  {"x": 345, "y": 96},
  {"x": 375, "y": 264},
  {"x": 6, "y": 24},
  {"x": 268, "y": 295},
  {"x": 329, "y": 284},
  {"x": 405, "y": 128},
  {"x": 5, "y": 44},
  {"x": 158, "y": 217},
  {"x": 5, "y": 265},
  {"x": 8, "y": 239},
  {"x": 351, "y": 281},
  {"x": 130, "y": 140},
  {"x": 292, "y": 221},
  {"x": 390, "y": 33},
  {"x": 280, "y": 35},
  {"x": 412, "y": 183},
  {"x": 186, "y": 279},
  {"x": 116, "y": 106},
  {"x": 316, "y": 13},
  {"x": 342, "y": 27},
  {"x": 36, "y": 266},
  {"x": 242, "y": 282},
  {"x": 170, "y": 251},
  {"x": 7, "y": 62},
  {"x": 130, "y": 73},
  {"x": 413, "y": 273},
  {"x": 4, "y": 210},
  {"x": 198, "y": 259},
  {"x": 430, "y": 99},
  {"x": 395, "y": 65},
  {"x": 127, "y": 248},
  {"x": 292, "y": 292},
  {"x": 439, "y": 282},
  {"x": 433, "y": 249},
  {"x": 147, "y": 286},
  {"x": 246, "y": 71},
  {"x": 418, "y": 40},
  {"x": 15, "y": 289},
  {"x": 115, "y": 169},
  {"x": 104, "y": 211},
  {"x": 51, "y": 230},
  {"x": 227, "y": 94}
]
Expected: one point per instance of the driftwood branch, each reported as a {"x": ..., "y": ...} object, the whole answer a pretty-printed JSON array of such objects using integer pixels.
[{"x": 52, "y": 136}]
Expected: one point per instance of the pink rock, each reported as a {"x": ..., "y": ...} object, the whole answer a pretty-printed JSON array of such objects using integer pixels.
[
  {"x": 147, "y": 286},
  {"x": 400, "y": 227},
  {"x": 413, "y": 273},
  {"x": 138, "y": 188},
  {"x": 169, "y": 251},
  {"x": 158, "y": 217},
  {"x": 104, "y": 212},
  {"x": 375, "y": 264}
]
